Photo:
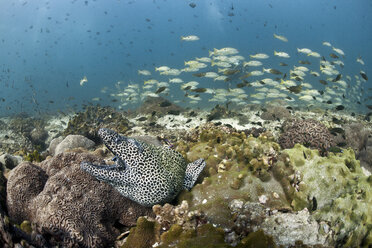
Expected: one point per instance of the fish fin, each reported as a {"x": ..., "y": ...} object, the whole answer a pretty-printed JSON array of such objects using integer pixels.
[
  {"x": 210, "y": 53},
  {"x": 192, "y": 173}
]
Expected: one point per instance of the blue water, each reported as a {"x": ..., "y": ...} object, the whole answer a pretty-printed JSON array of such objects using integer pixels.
[{"x": 46, "y": 47}]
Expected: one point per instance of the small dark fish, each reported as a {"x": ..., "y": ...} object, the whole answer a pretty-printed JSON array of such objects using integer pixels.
[
  {"x": 295, "y": 89},
  {"x": 51, "y": 101},
  {"x": 369, "y": 106},
  {"x": 285, "y": 76},
  {"x": 240, "y": 85},
  {"x": 192, "y": 5},
  {"x": 114, "y": 100},
  {"x": 174, "y": 112},
  {"x": 276, "y": 72},
  {"x": 165, "y": 104},
  {"x": 336, "y": 121},
  {"x": 337, "y": 130},
  {"x": 304, "y": 62},
  {"x": 340, "y": 107},
  {"x": 161, "y": 89},
  {"x": 332, "y": 55},
  {"x": 338, "y": 77},
  {"x": 335, "y": 149},
  {"x": 364, "y": 75},
  {"x": 323, "y": 82},
  {"x": 230, "y": 72},
  {"x": 329, "y": 102},
  {"x": 143, "y": 118},
  {"x": 298, "y": 79},
  {"x": 187, "y": 88},
  {"x": 282, "y": 64},
  {"x": 199, "y": 90},
  {"x": 200, "y": 74}
]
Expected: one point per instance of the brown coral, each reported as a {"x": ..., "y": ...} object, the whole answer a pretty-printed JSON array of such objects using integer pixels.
[
  {"x": 310, "y": 133},
  {"x": 71, "y": 207}
]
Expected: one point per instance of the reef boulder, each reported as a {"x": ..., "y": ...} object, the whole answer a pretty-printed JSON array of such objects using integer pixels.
[
  {"x": 68, "y": 205},
  {"x": 74, "y": 141}
]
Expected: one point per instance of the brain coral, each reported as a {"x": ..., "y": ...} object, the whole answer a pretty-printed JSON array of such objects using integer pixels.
[
  {"x": 309, "y": 133},
  {"x": 67, "y": 204}
]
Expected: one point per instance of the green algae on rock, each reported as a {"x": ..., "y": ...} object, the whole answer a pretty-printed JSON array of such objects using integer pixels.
[
  {"x": 337, "y": 192},
  {"x": 222, "y": 147},
  {"x": 296, "y": 184}
]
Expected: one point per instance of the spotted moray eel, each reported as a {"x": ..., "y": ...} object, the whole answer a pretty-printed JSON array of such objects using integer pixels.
[{"x": 144, "y": 173}]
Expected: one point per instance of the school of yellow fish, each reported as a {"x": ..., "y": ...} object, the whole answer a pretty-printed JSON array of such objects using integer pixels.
[{"x": 243, "y": 80}]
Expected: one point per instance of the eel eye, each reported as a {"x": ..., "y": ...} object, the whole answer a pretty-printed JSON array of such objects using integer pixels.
[
  {"x": 114, "y": 158},
  {"x": 117, "y": 139}
]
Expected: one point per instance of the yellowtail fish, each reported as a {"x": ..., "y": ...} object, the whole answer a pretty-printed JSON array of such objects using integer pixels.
[
  {"x": 281, "y": 54},
  {"x": 259, "y": 56},
  {"x": 190, "y": 38},
  {"x": 83, "y": 80},
  {"x": 280, "y": 37}
]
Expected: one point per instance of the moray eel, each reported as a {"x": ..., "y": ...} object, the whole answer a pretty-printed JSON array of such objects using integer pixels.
[{"x": 144, "y": 173}]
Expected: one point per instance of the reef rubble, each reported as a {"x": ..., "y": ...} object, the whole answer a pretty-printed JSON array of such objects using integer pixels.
[{"x": 260, "y": 188}]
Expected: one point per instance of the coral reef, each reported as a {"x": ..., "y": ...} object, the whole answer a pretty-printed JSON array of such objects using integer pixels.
[
  {"x": 223, "y": 147},
  {"x": 88, "y": 122},
  {"x": 159, "y": 106},
  {"x": 15, "y": 135},
  {"x": 273, "y": 112},
  {"x": 309, "y": 133},
  {"x": 68, "y": 205},
  {"x": 220, "y": 111},
  {"x": 261, "y": 186}
]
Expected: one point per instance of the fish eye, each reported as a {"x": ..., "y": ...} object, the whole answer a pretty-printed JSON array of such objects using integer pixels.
[
  {"x": 114, "y": 158},
  {"x": 117, "y": 139}
]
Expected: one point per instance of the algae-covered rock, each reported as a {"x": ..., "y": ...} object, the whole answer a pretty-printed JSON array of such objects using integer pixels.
[
  {"x": 222, "y": 147},
  {"x": 337, "y": 192},
  {"x": 206, "y": 236},
  {"x": 147, "y": 233},
  {"x": 214, "y": 195},
  {"x": 143, "y": 235},
  {"x": 257, "y": 239},
  {"x": 88, "y": 122}
]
